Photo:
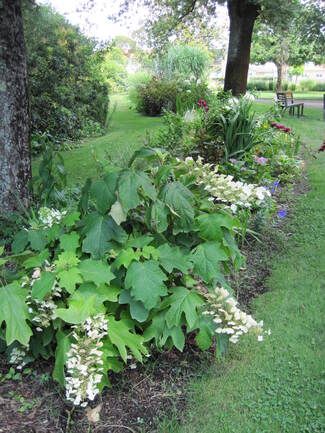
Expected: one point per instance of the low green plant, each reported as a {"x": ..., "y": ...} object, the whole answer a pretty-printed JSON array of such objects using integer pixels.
[{"x": 97, "y": 286}]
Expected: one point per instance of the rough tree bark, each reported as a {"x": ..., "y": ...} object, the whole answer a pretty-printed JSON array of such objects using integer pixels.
[
  {"x": 15, "y": 162},
  {"x": 242, "y": 15}
]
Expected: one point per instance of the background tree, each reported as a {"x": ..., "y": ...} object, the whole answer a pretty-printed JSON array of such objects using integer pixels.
[
  {"x": 67, "y": 90},
  {"x": 15, "y": 166},
  {"x": 167, "y": 15},
  {"x": 284, "y": 42}
]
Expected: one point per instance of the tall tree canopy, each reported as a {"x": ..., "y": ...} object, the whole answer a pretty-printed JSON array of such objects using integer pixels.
[{"x": 290, "y": 42}]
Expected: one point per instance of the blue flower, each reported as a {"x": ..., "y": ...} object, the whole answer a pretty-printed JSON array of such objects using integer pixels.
[
  {"x": 274, "y": 187},
  {"x": 282, "y": 213}
]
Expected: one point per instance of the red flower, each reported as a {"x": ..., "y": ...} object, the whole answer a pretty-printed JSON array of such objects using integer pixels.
[
  {"x": 206, "y": 108},
  {"x": 322, "y": 149}
]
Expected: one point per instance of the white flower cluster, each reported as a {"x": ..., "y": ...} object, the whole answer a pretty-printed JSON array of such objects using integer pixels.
[
  {"x": 48, "y": 216},
  {"x": 84, "y": 360},
  {"x": 42, "y": 311},
  {"x": 230, "y": 319},
  {"x": 17, "y": 356},
  {"x": 224, "y": 189}
]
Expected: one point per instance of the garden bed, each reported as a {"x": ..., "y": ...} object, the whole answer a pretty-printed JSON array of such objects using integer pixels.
[{"x": 140, "y": 397}]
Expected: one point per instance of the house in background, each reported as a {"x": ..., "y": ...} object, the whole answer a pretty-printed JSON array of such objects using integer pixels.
[{"x": 311, "y": 72}]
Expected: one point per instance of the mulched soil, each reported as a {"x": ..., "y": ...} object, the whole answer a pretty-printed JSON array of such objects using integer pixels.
[{"x": 138, "y": 397}]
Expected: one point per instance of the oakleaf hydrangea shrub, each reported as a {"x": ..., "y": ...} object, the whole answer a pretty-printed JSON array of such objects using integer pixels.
[{"x": 130, "y": 268}]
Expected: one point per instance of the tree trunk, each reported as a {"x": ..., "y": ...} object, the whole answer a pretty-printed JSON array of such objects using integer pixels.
[
  {"x": 15, "y": 162},
  {"x": 242, "y": 15},
  {"x": 279, "y": 77}
]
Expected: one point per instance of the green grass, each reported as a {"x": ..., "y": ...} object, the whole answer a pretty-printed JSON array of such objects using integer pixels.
[
  {"x": 126, "y": 134},
  {"x": 297, "y": 95},
  {"x": 277, "y": 386}
]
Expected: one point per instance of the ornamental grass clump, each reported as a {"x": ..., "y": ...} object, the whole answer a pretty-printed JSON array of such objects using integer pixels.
[
  {"x": 230, "y": 320},
  {"x": 84, "y": 360}
]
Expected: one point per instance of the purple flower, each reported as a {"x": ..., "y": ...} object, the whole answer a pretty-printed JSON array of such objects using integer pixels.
[
  {"x": 274, "y": 187},
  {"x": 233, "y": 160},
  {"x": 260, "y": 160},
  {"x": 282, "y": 213},
  {"x": 243, "y": 168}
]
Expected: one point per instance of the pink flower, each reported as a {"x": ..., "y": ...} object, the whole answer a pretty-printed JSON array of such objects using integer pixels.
[{"x": 260, "y": 160}]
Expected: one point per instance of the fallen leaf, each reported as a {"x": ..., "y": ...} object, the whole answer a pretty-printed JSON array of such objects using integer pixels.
[{"x": 93, "y": 413}]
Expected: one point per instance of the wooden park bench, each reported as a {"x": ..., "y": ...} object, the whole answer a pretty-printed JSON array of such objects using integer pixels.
[{"x": 285, "y": 101}]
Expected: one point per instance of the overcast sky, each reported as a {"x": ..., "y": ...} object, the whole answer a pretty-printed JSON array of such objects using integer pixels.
[{"x": 95, "y": 21}]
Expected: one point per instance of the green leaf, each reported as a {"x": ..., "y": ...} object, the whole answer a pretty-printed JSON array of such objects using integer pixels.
[
  {"x": 173, "y": 258},
  {"x": 37, "y": 261},
  {"x": 79, "y": 310},
  {"x": 70, "y": 219},
  {"x": 62, "y": 349},
  {"x": 149, "y": 153},
  {"x": 139, "y": 242},
  {"x": 158, "y": 216},
  {"x": 96, "y": 271},
  {"x": 69, "y": 279},
  {"x": 128, "y": 186},
  {"x": 43, "y": 286},
  {"x": 69, "y": 242},
  {"x": 180, "y": 200},
  {"x": 101, "y": 293},
  {"x": 145, "y": 281},
  {"x": 20, "y": 241},
  {"x": 37, "y": 240},
  {"x": 159, "y": 331},
  {"x": 119, "y": 334},
  {"x": 182, "y": 301},
  {"x": 137, "y": 309},
  {"x": 13, "y": 311},
  {"x": 204, "y": 337},
  {"x": 222, "y": 344},
  {"x": 210, "y": 226},
  {"x": 99, "y": 230},
  {"x": 104, "y": 194},
  {"x": 126, "y": 257},
  {"x": 150, "y": 252},
  {"x": 206, "y": 258},
  {"x": 66, "y": 261}
]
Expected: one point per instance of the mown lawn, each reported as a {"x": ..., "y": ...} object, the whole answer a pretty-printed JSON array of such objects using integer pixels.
[
  {"x": 127, "y": 133},
  {"x": 277, "y": 386},
  {"x": 297, "y": 95}
]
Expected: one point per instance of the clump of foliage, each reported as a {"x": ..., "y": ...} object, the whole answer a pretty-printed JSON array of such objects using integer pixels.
[
  {"x": 131, "y": 267},
  {"x": 176, "y": 84},
  {"x": 184, "y": 61},
  {"x": 157, "y": 95},
  {"x": 69, "y": 97}
]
